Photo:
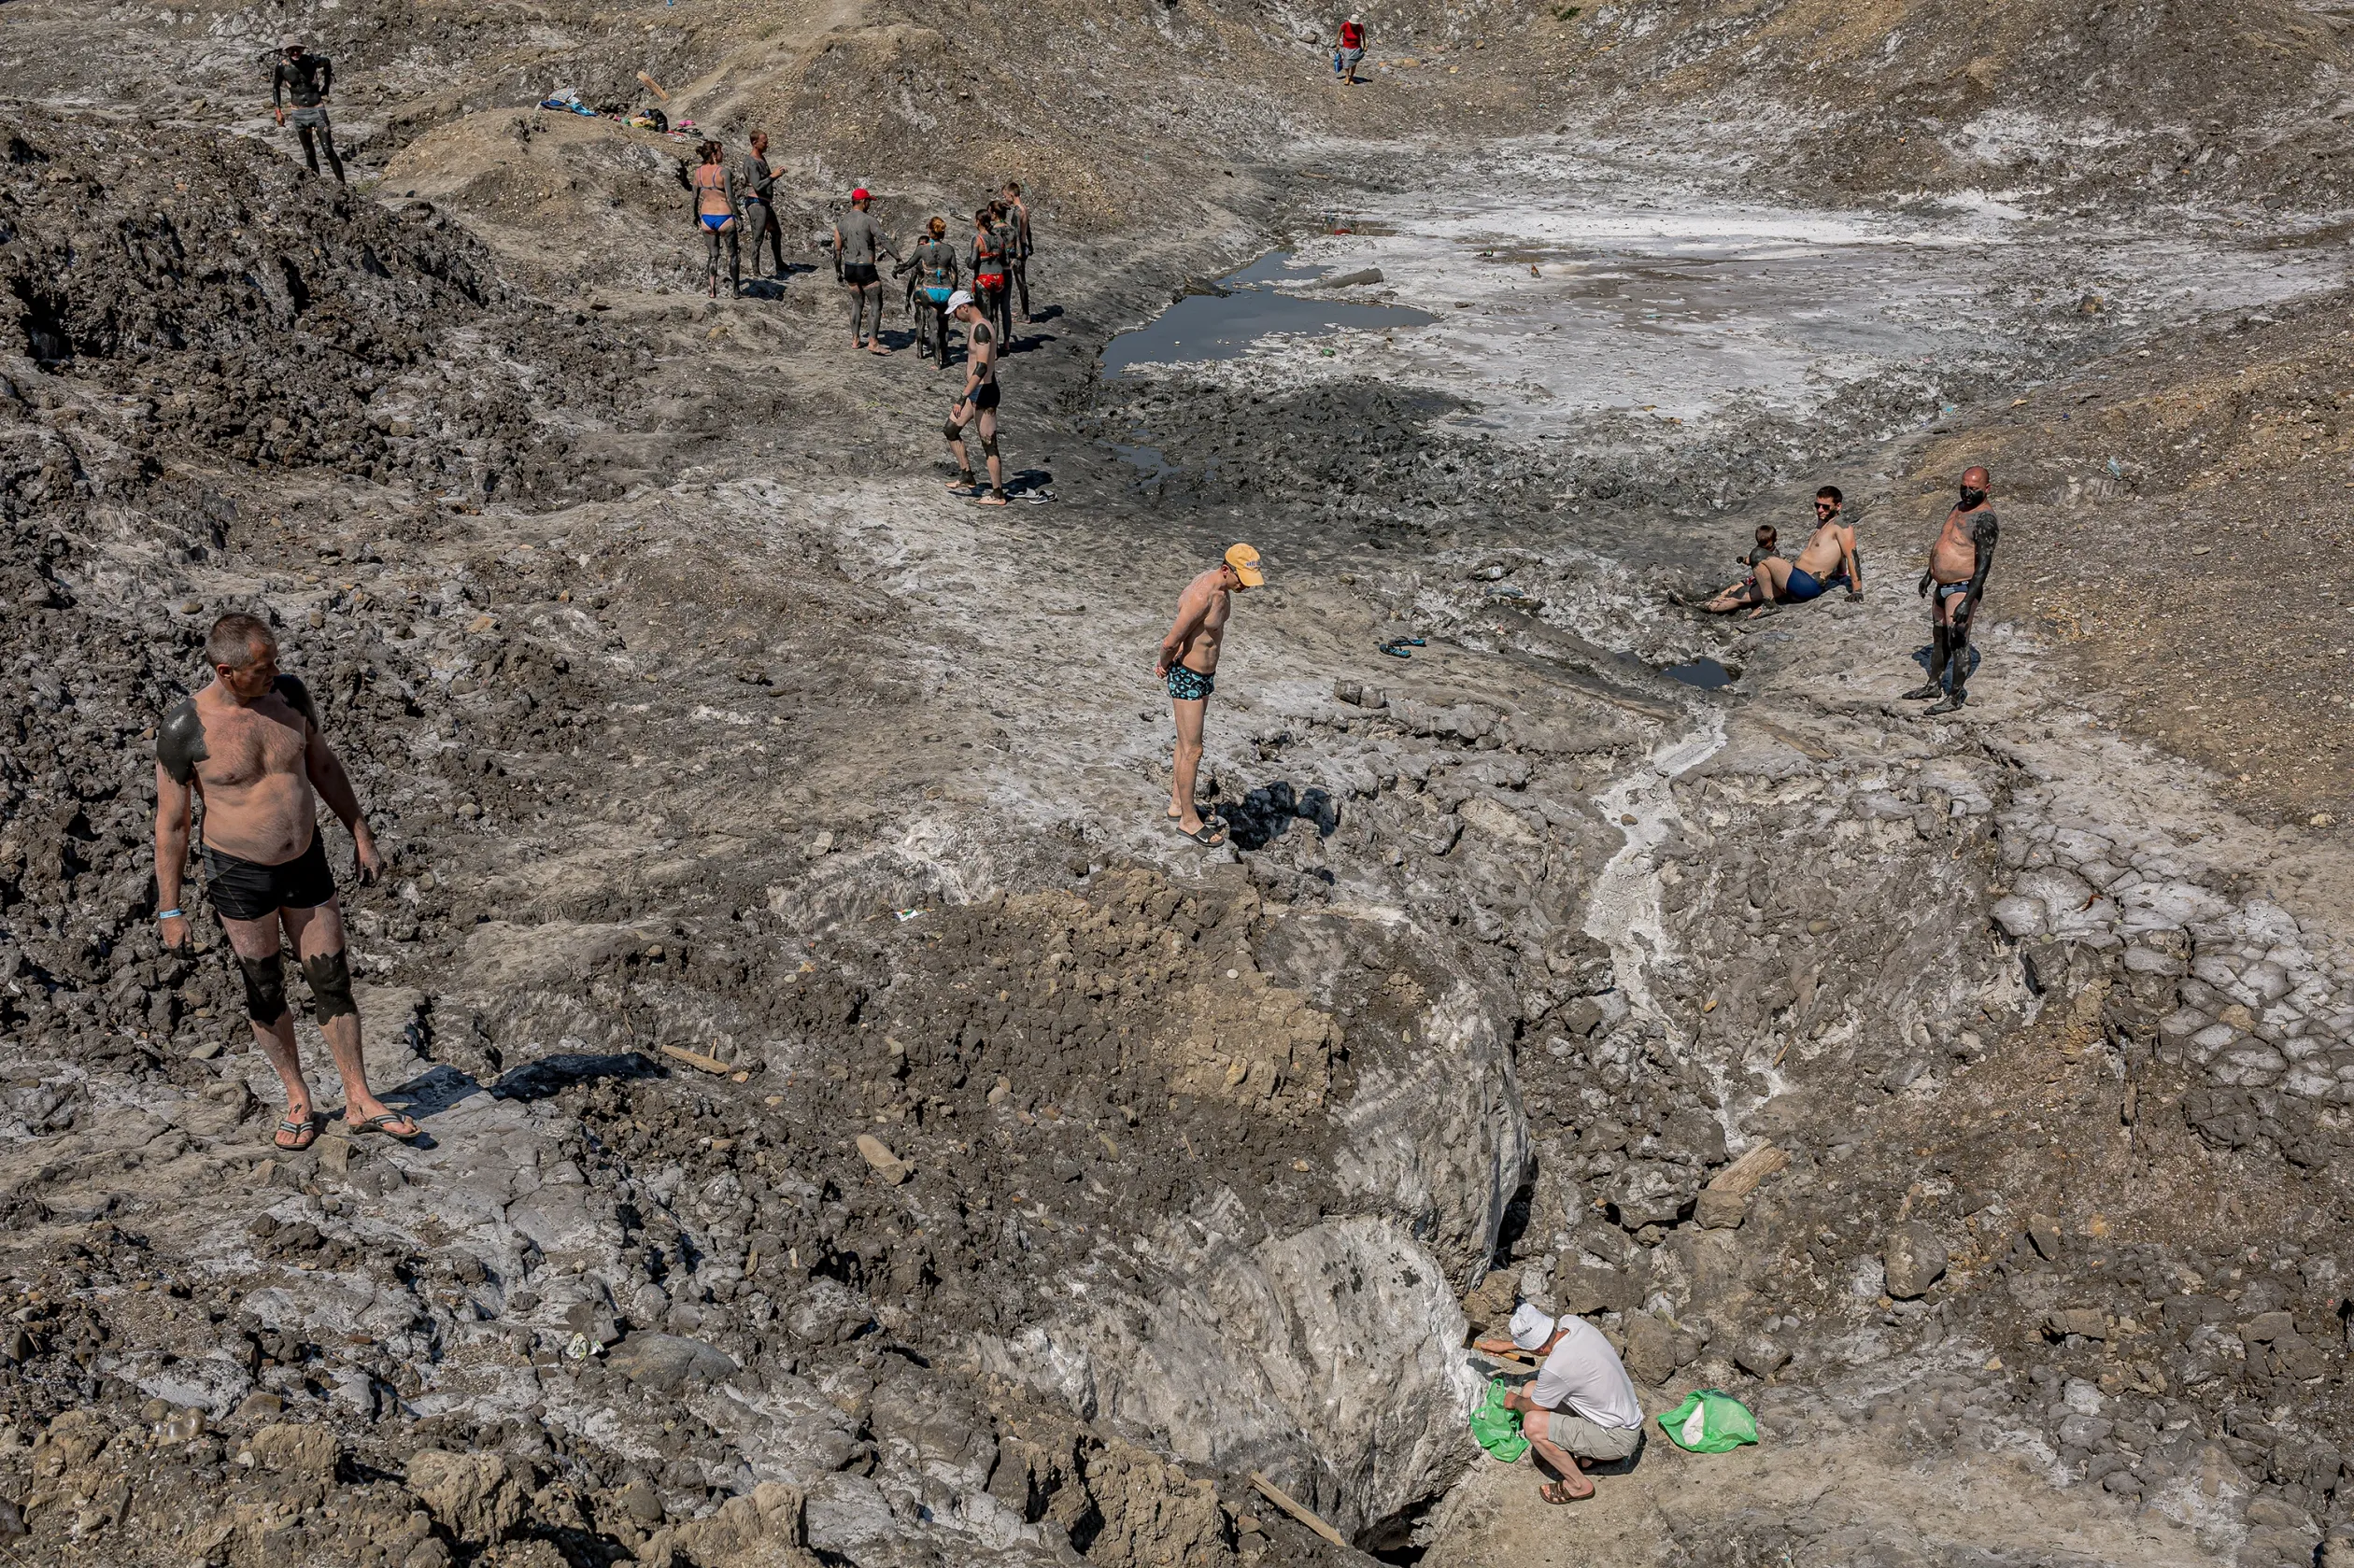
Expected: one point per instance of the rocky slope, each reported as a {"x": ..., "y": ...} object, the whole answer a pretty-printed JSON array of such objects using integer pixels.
[{"x": 858, "y": 1132}]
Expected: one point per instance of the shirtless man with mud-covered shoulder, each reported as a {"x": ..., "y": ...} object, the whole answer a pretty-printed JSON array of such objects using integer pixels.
[
  {"x": 1959, "y": 561},
  {"x": 1189, "y": 663},
  {"x": 249, "y": 745}
]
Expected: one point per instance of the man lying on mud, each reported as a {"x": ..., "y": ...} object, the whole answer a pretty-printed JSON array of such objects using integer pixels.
[
  {"x": 1582, "y": 1410},
  {"x": 1958, "y": 564},
  {"x": 249, "y": 745},
  {"x": 1189, "y": 663},
  {"x": 1828, "y": 561}
]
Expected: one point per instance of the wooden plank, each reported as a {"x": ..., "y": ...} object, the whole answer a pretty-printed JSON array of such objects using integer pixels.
[
  {"x": 697, "y": 1059},
  {"x": 655, "y": 85},
  {"x": 1741, "y": 1177},
  {"x": 1306, "y": 1515}
]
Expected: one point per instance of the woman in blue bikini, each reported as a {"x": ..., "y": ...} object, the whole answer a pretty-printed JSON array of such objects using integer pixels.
[{"x": 714, "y": 215}]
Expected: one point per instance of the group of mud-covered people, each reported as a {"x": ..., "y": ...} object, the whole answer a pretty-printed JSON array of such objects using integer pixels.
[
  {"x": 975, "y": 288},
  {"x": 1953, "y": 580}
]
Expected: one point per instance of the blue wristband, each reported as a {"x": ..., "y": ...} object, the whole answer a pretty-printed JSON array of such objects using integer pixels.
[{"x": 169, "y": 915}]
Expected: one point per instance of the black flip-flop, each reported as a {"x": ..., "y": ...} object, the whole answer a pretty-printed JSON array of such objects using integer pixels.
[
  {"x": 377, "y": 1124},
  {"x": 1205, "y": 835},
  {"x": 305, "y": 1134}
]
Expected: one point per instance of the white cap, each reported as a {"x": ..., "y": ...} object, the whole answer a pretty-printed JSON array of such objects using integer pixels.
[
  {"x": 958, "y": 299},
  {"x": 1530, "y": 1327},
  {"x": 290, "y": 40}
]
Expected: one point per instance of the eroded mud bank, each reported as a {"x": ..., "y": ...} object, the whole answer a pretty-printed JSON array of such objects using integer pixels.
[{"x": 1042, "y": 1175}]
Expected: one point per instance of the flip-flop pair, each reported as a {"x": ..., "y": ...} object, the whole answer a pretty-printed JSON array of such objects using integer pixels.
[{"x": 306, "y": 1131}]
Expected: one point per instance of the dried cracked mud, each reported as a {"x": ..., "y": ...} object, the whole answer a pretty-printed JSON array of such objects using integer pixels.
[{"x": 858, "y": 1131}]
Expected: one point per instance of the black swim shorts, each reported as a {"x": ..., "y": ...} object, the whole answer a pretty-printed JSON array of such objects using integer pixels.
[
  {"x": 859, "y": 274},
  {"x": 243, "y": 890},
  {"x": 1190, "y": 685}
]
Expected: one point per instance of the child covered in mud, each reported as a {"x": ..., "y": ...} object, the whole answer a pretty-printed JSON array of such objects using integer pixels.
[{"x": 1768, "y": 544}]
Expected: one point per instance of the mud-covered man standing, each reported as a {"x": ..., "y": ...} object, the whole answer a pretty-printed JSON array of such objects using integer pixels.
[
  {"x": 1189, "y": 663},
  {"x": 250, "y": 745},
  {"x": 1958, "y": 564},
  {"x": 305, "y": 79}
]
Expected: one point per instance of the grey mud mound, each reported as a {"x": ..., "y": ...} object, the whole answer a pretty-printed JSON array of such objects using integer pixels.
[{"x": 860, "y": 1131}]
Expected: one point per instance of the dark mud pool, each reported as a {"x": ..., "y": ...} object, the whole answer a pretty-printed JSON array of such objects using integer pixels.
[{"x": 1251, "y": 307}]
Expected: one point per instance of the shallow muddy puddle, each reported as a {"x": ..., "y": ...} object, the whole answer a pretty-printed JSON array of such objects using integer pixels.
[
  {"x": 1545, "y": 288},
  {"x": 1704, "y": 674},
  {"x": 1251, "y": 307}
]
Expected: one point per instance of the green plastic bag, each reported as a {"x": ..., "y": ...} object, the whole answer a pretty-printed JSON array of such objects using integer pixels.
[
  {"x": 1709, "y": 1422},
  {"x": 1497, "y": 1429}
]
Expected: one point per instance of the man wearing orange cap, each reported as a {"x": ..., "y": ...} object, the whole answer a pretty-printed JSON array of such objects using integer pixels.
[
  {"x": 859, "y": 244},
  {"x": 1189, "y": 664}
]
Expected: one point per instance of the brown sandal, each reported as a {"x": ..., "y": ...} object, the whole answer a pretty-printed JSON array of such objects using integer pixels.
[{"x": 1558, "y": 1492}]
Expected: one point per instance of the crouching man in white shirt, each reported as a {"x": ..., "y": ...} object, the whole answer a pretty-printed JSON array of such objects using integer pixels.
[{"x": 1582, "y": 1410}]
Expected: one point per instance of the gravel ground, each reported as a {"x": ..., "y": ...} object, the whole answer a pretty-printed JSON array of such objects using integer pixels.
[{"x": 860, "y": 1131}]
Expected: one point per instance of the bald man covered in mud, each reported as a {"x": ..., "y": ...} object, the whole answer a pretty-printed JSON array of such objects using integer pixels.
[
  {"x": 249, "y": 746},
  {"x": 1189, "y": 663},
  {"x": 1958, "y": 564}
]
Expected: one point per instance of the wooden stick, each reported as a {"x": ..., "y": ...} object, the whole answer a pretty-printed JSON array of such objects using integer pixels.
[
  {"x": 1306, "y": 1515},
  {"x": 655, "y": 85},
  {"x": 1744, "y": 1175},
  {"x": 697, "y": 1059}
]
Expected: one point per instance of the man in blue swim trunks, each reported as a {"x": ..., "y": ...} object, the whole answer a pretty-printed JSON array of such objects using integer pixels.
[
  {"x": 1958, "y": 564},
  {"x": 1189, "y": 663},
  {"x": 1828, "y": 561}
]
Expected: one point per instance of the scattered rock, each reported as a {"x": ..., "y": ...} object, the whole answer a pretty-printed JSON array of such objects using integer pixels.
[
  {"x": 1761, "y": 1355},
  {"x": 2090, "y": 1323},
  {"x": 1913, "y": 1258},
  {"x": 1717, "y": 1210},
  {"x": 473, "y": 1496},
  {"x": 308, "y": 1450},
  {"x": 887, "y": 1165},
  {"x": 1651, "y": 1347},
  {"x": 2043, "y": 1234},
  {"x": 669, "y": 1362}
]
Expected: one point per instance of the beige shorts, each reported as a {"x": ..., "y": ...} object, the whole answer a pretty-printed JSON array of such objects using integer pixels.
[{"x": 1567, "y": 1430}]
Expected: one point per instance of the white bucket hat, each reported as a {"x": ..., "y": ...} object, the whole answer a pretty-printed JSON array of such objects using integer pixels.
[{"x": 1530, "y": 1327}]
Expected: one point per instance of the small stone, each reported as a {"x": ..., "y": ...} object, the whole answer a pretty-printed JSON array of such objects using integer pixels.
[
  {"x": 1627, "y": 819},
  {"x": 1247, "y": 1524},
  {"x": 2124, "y": 1483},
  {"x": 1721, "y": 1211},
  {"x": 1761, "y": 1356},
  {"x": 260, "y": 1406},
  {"x": 1914, "y": 1259},
  {"x": 1000, "y": 1090},
  {"x": 887, "y": 1165},
  {"x": 1651, "y": 1347},
  {"x": 191, "y": 606},
  {"x": 821, "y": 843},
  {"x": 2266, "y": 1327},
  {"x": 2090, "y": 1323},
  {"x": 334, "y": 1156},
  {"x": 2043, "y": 1234},
  {"x": 306, "y": 1451},
  {"x": 670, "y": 1363},
  {"x": 2270, "y": 1513},
  {"x": 2321, "y": 819}
]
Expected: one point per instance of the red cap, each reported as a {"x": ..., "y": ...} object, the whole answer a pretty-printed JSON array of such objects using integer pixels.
[{"x": 860, "y": 194}]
